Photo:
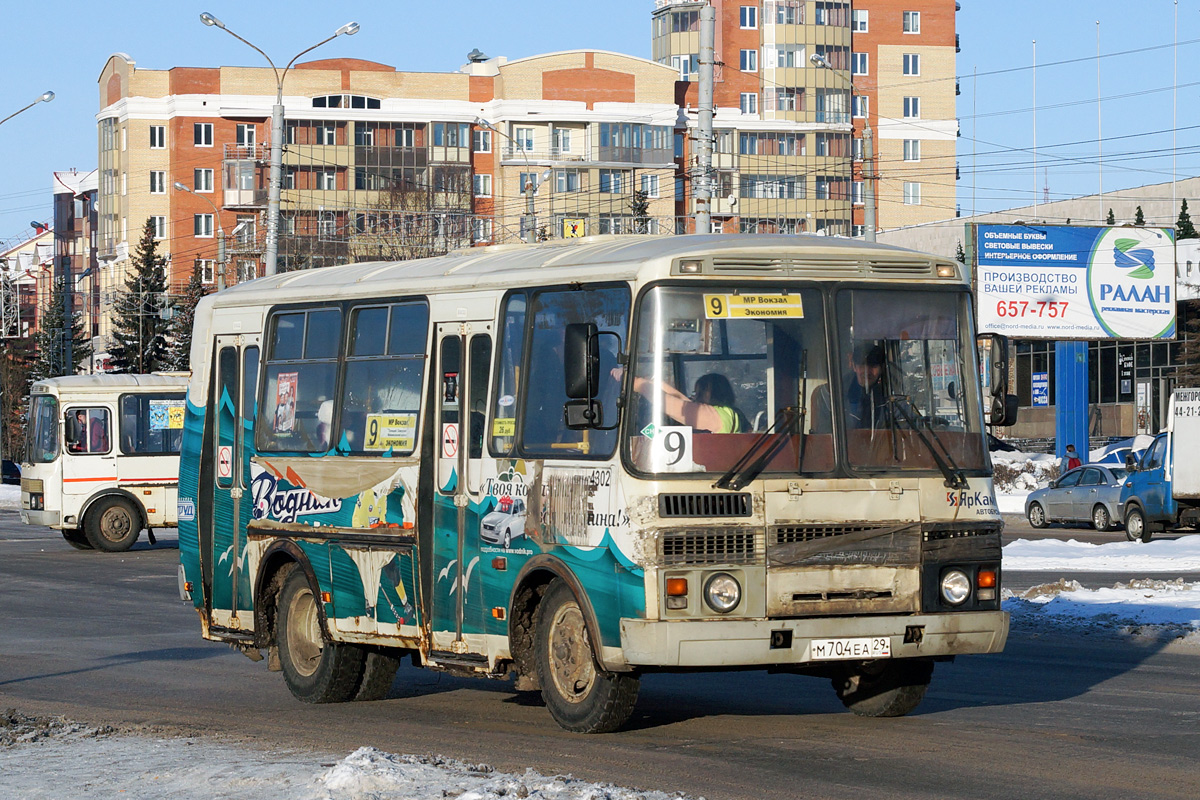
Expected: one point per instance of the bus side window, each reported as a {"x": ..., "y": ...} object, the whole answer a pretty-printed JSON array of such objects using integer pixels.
[
  {"x": 87, "y": 431},
  {"x": 504, "y": 400},
  {"x": 481, "y": 366}
]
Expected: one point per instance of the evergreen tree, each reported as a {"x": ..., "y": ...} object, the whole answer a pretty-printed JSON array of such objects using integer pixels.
[
  {"x": 1183, "y": 226},
  {"x": 960, "y": 255},
  {"x": 1112, "y": 218},
  {"x": 50, "y": 358},
  {"x": 1188, "y": 370},
  {"x": 180, "y": 333},
  {"x": 639, "y": 206},
  {"x": 1138, "y": 217},
  {"x": 139, "y": 330}
]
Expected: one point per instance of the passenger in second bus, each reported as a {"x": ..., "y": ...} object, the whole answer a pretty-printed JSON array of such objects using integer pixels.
[{"x": 712, "y": 408}]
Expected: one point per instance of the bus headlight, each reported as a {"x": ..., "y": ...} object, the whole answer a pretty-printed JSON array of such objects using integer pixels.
[
  {"x": 722, "y": 592},
  {"x": 956, "y": 587}
]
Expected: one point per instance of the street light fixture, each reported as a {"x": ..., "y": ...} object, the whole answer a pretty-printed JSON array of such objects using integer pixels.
[
  {"x": 45, "y": 97},
  {"x": 271, "y": 255},
  {"x": 529, "y": 223},
  {"x": 819, "y": 61},
  {"x": 220, "y": 234}
]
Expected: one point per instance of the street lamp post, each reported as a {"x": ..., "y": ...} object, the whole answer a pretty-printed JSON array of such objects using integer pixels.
[
  {"x": 220, "y": 234},
  {"x": 46, "y": 97},
  {"x": 276, "y": 182},
  {"x": 819, "y": 60},
  {"x": 529, "y": 223}
]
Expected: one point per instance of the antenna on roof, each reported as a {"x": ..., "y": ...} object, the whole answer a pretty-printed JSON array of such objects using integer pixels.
[{"x": 477, "y": 56}]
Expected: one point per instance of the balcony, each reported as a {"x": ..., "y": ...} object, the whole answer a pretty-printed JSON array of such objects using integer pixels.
[
  {"x": 510, "y": 153},
  {"x": 242, "y": 152},
  {"x": 244, "y": 182}
]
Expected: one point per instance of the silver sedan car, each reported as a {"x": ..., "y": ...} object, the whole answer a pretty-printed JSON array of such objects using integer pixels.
[{"x": 1087, "y": 494}]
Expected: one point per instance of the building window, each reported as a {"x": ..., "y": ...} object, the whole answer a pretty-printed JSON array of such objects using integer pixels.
[
  {"x": 202, "y": 226},
  {"x": 523, "y": 139},
  {"x": 158, "y": 181},
  {"x": 912, "y": 108},
  {"x": 326, "y": 134},
  {"x": 858, "y": 231},
  {"x": 528, "y": 179},
  {"x": 159, "y": 224},
  {"x": 911, "y": 21},
  {"x": 749, "y": 102},
  {"x": 832, "y": 13},
  {"x": 650, "y": 185},
  {"x": 749, "y": 61},
  {"x": 912, "y": 149},
  {"x": 345, "y": 101},
  {"x": 858, "y": 149},
  {"x": 158, "y": 137},
  {"x": 858, "y": 63},
  {"x": 482, "y": 229},
  {"x": 483, "y": 185},
  {"x": 566, "y": 180},
  {"x": 783, "y": 12},
  {"x": 364, "y": 134},
  {"x": 687, "y": 66},
  {"x": 327, "y": 180},
  {"x": 245, "y": 233},
  {"x": 749, "y": 17},
  {"x": 856, "y": 193},
  {"x": 207, "y": 268},
  {"x": 784, "y": 98},
  {"x": 562, "y": 140},
  {"x": 247, "y": 270},
  {"x": 289, "y": 177},
  {"x": 859, "y": 106},
  {"x": 611, "y": 181},
  {"x": 858, "y": 20},
  {"x": 912, "y": 193},
  {"x": 481, "y": 141},
  {"x": 202, "y": 134},
  {"x": 912, "y": 63},
  {"x": 245, "y": 134},
  {"x": 202, "y": 180}
]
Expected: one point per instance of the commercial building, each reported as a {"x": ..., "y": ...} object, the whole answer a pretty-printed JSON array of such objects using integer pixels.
[{"x": 797, "y": 85}]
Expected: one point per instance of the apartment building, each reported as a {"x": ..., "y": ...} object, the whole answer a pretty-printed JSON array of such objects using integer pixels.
[
  {"x": 797, "y": 84},
  {"x": 379, "y": 163}
]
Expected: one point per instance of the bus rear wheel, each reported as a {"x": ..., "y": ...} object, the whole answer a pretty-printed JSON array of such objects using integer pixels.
[
  {"x": 77, "y": 539},
  {"x": 316, "y": 671},
  {"x": 112, "y": 525},
  {"x": 580, "y": 696},
  {"x": 884, "y": 688}
]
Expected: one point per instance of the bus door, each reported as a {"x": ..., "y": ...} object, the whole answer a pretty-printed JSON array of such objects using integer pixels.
[
  {"x": 232, "y": 406},
  {"x": 464, "y": 356}
]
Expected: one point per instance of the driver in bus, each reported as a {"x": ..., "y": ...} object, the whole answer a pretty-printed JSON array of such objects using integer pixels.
[
  {"x": 866, "y": 401},
  {"x": 712, "y": 408}
]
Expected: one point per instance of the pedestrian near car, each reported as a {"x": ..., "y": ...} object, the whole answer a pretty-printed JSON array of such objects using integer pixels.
[{"x": 1069, "y": 461}]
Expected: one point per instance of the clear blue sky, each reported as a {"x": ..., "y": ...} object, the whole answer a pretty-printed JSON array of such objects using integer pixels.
[{"x": 63, "y": 46}]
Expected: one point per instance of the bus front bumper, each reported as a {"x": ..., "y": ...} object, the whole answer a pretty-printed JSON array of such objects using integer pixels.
[
  {"x": 740, "y": 643},
  {"x": 51, "y": 519}
]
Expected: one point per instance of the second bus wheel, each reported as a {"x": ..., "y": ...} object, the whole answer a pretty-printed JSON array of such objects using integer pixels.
[
  {"x": 112, "y": 525},
  {"x": 316, "y": 671},
  {"x": 580, "y": 696}
]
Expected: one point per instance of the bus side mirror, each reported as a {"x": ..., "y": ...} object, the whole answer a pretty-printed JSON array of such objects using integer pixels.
[
  {"x": 1131, "y": 463},
  {"x": 1001, "y": 409},
  {"x": 71, "y": 430},
  {"x": 581, "y": 360}
]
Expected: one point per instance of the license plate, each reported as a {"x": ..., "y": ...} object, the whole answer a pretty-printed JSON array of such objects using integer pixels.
[{"x": 841, "y": 649}]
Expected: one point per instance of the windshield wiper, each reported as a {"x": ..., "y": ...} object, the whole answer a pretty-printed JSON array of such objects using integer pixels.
[
  {"x": 955, "y": 479},
  {"x": 787, "y": 421}
]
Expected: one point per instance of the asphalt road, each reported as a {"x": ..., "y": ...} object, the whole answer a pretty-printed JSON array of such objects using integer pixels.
[{"x": 104, "y": 639}]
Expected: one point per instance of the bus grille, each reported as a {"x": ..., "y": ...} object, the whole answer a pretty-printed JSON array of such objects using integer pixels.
[
  {"x": 790, "y": 534},
  {"x": 729, "y": 546},
  {"x": 704, "y": 505}
]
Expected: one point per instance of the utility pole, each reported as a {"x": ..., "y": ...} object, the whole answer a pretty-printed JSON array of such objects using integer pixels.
[
  {"x": 868, "y": 181},
  {"x": 702, "y": 182}
]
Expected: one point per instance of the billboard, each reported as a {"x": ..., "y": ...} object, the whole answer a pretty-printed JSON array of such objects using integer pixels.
[{"x": 1065, "y": 282}]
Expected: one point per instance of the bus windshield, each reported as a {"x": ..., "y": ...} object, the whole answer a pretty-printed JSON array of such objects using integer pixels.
[
  {"x": 43, "y": 429},
  {"x": 735, "y": 380}
]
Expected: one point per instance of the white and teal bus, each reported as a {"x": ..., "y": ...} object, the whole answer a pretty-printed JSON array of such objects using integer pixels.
[
  {"x": 102, "y": 457},
  {"x": 575, "y": 462}
]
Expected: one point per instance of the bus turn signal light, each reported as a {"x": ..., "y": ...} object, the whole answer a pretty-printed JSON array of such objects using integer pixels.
[
  {"x": 676, "y": 587},
  {"x": 986, "y": 579}
]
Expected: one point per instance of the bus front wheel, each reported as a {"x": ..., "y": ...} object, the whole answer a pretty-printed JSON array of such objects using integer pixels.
[
  {"x": 316, "y": 671},
  {"x": 884, "y": 688},
  {"x": 112, "y": 525},
  {"x": 580, "y": 696}
]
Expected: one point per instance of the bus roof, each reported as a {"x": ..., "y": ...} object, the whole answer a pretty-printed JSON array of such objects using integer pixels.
[
  {"x": 612, "y": 257},
  {"x": 113, "y": 381}
]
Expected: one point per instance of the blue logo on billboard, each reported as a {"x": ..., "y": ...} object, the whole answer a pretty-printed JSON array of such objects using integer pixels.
[
  {"x": 1129, "y": 296},
  {"x": 186, "y": 508}
]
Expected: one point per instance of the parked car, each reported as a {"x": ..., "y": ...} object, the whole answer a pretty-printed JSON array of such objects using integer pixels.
[
  {"x": 11, "y": 472},
  {"x": 1087, "y": 494}
]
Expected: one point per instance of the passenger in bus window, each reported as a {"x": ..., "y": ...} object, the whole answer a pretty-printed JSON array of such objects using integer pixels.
[
  {"x": 866, "y": 401},
  {"x": 77, "y": 441},
  {"x": 98, "y": 433},
  {"x": 712, "y": 408}
]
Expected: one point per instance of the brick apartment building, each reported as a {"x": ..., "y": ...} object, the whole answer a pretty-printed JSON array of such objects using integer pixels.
[
  {"x": 378, "y": 163},
  {"x": 789, "y": 152}
]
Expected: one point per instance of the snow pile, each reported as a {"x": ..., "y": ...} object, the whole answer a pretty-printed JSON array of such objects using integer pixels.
[
  {"x": 1022, "y": 472},
  {"x": 1163, "y": 555},
  {"x": 1161, "y": 609},
  {"x": 10, "y": 496},
  {"x": 17, "y": 728}
]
